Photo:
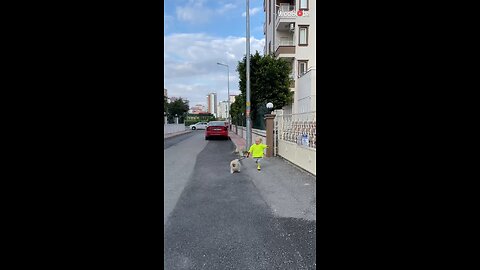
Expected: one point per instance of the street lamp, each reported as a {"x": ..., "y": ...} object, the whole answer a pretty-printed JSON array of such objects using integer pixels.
[
  {"x": 228, "y": 90},
  {"x": 269, "y": 105}
]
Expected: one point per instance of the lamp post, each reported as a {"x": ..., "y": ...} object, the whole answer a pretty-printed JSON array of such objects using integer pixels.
[
  {"x": 228, "y": 91},
  {"x": 270, "y": 130},
  {"x": 247, "y": 105}
]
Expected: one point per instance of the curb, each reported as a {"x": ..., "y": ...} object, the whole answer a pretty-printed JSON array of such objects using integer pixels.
[
  {"x": 234, "y": 141},
  {"x": 176, "y": 134}
]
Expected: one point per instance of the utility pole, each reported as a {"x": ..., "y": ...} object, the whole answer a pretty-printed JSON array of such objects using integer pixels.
[{"x": 247, "y": 109}]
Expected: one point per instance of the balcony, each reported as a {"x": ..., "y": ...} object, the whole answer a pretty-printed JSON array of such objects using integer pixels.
[
  {"x": 285, "y": 14},
  {"x": 285, "y": 46}
]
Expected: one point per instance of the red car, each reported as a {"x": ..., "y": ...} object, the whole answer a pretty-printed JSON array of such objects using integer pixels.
[{"x": 216, "y": 129}]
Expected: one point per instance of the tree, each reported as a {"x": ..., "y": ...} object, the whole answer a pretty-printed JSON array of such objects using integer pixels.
[
  {"x": 165, "y": 104},
  {"x": 269, "y": 82},
  {"x": 177, "y": 107}
]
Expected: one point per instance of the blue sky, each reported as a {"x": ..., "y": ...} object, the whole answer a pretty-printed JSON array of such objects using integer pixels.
[{"x": 200, "y": 33}]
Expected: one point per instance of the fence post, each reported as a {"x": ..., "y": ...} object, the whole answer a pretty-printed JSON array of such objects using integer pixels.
[
  {"x": 269, "y": 132},
  {"x": 279, "y": 129}
]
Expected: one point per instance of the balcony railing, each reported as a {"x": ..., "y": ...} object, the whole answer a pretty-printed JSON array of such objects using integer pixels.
[
  {"x": 285, "y": 42},
  {"x": 284, "y": 12},
  {"x": 285, "y": 8},
  {"x": 285, "y": 45}
]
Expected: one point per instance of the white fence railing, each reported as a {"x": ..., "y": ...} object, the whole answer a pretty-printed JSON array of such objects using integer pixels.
[
  {"x": 299, "y": 128},
  {"x": 296, "y": 139}
]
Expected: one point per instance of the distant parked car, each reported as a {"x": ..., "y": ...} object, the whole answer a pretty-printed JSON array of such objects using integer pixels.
[
  {"x": 216, "y": 129},
  {"x": 199, "y": 125}
]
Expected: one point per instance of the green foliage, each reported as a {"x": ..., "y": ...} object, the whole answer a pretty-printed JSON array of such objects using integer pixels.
[
  {"x": 165, "y": 104},
  {"x": 178, "y": 107},
  {"x": 195, "y": 118},
  {"x": 269, "y": 82}
]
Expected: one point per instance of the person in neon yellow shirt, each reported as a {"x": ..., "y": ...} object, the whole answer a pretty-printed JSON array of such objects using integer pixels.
[{"x": 257, "y": 151}]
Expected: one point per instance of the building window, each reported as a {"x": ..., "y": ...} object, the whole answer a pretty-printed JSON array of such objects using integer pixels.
[
  {"x": 303, "y": 35},
  {"x": 302, "y": 67},
  {"x": 303, "y": 4}
]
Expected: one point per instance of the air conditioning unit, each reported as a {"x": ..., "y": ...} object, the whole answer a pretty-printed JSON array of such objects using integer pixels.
[{"x": 292, "y": 27}]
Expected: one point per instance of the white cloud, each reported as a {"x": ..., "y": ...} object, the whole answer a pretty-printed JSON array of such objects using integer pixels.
[
  {"x": 194, "y": 12},
  {"x": 167, "y": 21},
  {"x": 226, "y": 8},
  {"x": 191, "y": 69},
  {"x": 253, "y": 11}
]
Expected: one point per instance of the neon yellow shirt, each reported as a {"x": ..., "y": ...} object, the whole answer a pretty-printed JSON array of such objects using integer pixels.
[{"x": 257, "y": 150}]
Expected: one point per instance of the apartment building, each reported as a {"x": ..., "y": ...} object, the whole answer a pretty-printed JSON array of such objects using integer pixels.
[
  {"x": 212, "y": 103},
  {"x": 222, "y": 110},
  {"x": 290, "y": 33}
]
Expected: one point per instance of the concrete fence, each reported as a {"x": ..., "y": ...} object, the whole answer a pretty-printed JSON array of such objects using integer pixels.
[
  {"x": 172, "y": 128},
  {"x": 296, "y": 139},
  {"x": 242, "y": 132}
]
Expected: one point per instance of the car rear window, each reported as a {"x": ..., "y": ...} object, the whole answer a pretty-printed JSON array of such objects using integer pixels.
[{"x": 216, "y": 124}]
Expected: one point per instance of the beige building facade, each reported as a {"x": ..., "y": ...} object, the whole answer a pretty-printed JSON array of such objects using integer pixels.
[{"x": 290, "y": 34}]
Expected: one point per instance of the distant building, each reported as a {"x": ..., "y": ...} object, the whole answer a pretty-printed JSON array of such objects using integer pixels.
[
  {"x": 197, "y": 109},
  {"x": 222, "y": 110},
  {"x": 212, "y": 103},
  {"x": 232, "y": 99}
]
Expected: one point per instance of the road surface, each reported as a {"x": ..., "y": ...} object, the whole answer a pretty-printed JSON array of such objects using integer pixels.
[{"x": 217, "y": 220}]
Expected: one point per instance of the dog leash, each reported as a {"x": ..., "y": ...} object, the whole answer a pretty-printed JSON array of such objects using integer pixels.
[{"x": 244, "y": 157}]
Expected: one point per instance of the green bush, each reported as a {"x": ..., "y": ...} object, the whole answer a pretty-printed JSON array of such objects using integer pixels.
[{"x": 191, "y": 122}]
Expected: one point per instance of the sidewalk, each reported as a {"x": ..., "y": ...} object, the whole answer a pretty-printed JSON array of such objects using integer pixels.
[
  {"x": 169, "y": 135},
  {"x": 239, "y": 142},
  {"x": 289, "y": 191}
]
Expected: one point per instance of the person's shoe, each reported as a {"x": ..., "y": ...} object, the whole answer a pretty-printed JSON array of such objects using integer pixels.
[{"x": 258, "y": 167}]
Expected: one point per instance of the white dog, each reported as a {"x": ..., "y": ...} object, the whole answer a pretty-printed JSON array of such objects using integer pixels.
[{"x": 235, "y": 166}]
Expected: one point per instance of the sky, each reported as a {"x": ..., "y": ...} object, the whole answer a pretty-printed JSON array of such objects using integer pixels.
[{"x": 200, "y": 33}]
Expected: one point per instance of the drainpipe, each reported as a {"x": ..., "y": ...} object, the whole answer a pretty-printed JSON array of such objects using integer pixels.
[{"x": 274, "y": 25}]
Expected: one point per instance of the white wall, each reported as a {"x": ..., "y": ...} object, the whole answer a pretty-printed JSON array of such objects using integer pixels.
[
  {"x": 172, "y": 128},
  {"x": 306, "y": 92},
  {"x": 303, "y": 157}
]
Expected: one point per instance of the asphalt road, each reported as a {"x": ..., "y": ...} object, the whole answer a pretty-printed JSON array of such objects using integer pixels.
[
  {"x": 218, "y": 220},
  {"x": 177, "y": 139}
]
